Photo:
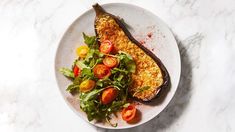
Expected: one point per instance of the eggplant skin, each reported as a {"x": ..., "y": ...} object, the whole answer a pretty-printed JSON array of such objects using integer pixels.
[{"x": 163, "y": 73}]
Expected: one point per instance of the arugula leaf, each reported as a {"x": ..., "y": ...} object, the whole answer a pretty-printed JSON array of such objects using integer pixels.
[
  {"x": 81, "y": 64},
  {"x": 67, "y": 72},
  {"x": 90, "y": 106},
  {"x": 97, "y": 61},
  {"x": 93, "y": 57},
  {"x": 87, "y": 73},
  {"x": 92, "y": 94},
  {"x": 116, "y": 105},
  {"x": 112, "y": 124},
  {"x": 104, "y": 82},
  {"x": 72, "y": 87},
  {"x": 90, "y": 55},
  {"x": 77, "y": 80},
  {"x": 131, "y": 67},
  {"x": 127, "y": 61},
  {"x": 98, "y": 53},
  {"x": 75, "y": 85},
  {"x": 120, "y": 77},
  {"x": 92, "y": 62},
  {"x": 142, "y": 89},
  {"x": 90, "y": 41},
  {"x": 126, "y": 105},
  {"x": 115, "y": 70}
]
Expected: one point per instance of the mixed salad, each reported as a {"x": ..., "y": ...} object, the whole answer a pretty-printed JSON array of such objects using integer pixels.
[{"x": 101, "y": 77}]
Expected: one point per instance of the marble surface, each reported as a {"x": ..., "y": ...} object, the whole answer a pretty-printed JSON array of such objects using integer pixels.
[{"x": 30, "y": 31}]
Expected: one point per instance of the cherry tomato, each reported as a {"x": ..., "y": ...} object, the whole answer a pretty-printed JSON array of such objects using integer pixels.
[
  {"x": 110, "y": 61},
  {"x": 82, "y": 51},
  {"x": 106, "y": 47},
  {"x": 129, "y": 113},
  {"x": 87, "y": 85},
  {"x": 108, "y": 95},
  {"x": 101, "y": 71},
  {"x": 76, "y": 71}
]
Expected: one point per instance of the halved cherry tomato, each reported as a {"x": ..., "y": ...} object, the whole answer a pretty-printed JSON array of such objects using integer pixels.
[
  {"x": 87, "y": 85},
  {"x": 106, "y": 47},
  {"x": 76, "y": 71},
  {"x": 109, "y": 95},
  {"x": 129, "y": 113},
  {"x": 110, "y": 61},
  {"x": 82, "y": 51},
  {"x": 101, "y": 71}
]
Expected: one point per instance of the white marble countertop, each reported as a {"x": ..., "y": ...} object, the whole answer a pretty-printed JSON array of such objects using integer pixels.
[{"x": 30, "y": 31}]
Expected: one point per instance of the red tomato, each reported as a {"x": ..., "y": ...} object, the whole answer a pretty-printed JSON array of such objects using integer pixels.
[
  {"x": 109, "y": 95},
  {"x": 106, "y": 47},
  {"x": 110, "y": 61},
  {"x": 101, "y": 71},
  {"x": 76, "y": 71},
  {"x": 129, "y": 113}
]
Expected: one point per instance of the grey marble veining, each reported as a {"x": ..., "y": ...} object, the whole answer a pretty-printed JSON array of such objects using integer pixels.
[{"x": 30, "y": 31}]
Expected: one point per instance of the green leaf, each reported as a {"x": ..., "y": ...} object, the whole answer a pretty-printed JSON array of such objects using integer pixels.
[
  {"x": 142, "y": 89},
  {"x": 104, "y": 82},
  {"x": 77, "y": 80},
  {"x": 98, "y": 53},
  {"x": 67, "y": 72},
  {"x": 90, "y": 40},
  {"x": 120, "y": 77},
  {"x": 92, "y": 62},
  {"x": 72, "y": 88},
  {"x": 92, "y": 94},
  {"x": 131, "y": 67},
  {"x": 87, "y": 73},
  {"x": 93, "y": 57},
  {"x": 127, "y": 61},
  {"x": 126, "y": 105},
  {"x": 115, "y": 70},
  {"x": 90, "y": 55},
  {"x": 81, "y": 64}
]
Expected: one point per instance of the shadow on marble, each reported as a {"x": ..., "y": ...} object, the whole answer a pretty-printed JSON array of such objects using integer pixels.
[{"x": 179, "y": 102}]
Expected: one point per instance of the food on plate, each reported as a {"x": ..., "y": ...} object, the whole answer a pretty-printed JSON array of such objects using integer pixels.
[
  {"x": 101, "y": 71},
  {"x": 82, "y": 51},
  {"x": 110, "y": 61},
  {"x": 151, "y": 75},
  {"x": 106, "y": 47},
  {"x": 129, "y": 113},
  {"x": 111, "y": 68},
  {"x": 100, "y": 79},
  {"x": 108, "y": 95}
]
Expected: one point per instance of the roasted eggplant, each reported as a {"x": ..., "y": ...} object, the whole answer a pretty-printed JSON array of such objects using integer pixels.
[{"x": 151, "y": 76}]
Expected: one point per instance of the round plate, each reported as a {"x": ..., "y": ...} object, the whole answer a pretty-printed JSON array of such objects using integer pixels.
[{"x": 146, "y": 28}]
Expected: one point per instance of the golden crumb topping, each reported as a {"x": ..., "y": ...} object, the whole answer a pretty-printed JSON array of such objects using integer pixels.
[{"x": 148, "y": 76}]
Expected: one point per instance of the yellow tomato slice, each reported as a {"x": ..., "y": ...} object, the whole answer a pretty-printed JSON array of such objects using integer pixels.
[
  {"x": 87, "y": 85},
  {"x": 82, "y": 51}
]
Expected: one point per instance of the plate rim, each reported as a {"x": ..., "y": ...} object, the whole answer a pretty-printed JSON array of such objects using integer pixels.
[{"x": 62, "y": 38}]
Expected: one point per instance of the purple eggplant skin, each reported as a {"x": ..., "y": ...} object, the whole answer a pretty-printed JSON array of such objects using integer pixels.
[{"x": 166, "y": 78}]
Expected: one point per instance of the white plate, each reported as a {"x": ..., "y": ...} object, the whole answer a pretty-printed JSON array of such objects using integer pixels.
[{"x": 162, "y": 43}]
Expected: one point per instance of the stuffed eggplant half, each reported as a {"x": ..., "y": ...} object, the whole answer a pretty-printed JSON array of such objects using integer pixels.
[
  {"x": 111, "y": 68},
  {"x": 151, "y": 75}
]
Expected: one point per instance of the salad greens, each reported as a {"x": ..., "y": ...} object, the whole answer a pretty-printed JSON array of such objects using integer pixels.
[{"x": 120, "y": 79}]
